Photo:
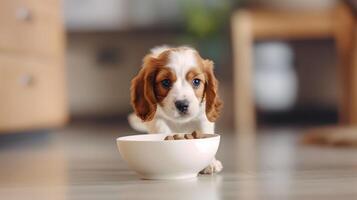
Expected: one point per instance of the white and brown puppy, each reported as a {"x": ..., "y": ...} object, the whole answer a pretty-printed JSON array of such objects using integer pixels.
[{"x": 176, "y": 92}]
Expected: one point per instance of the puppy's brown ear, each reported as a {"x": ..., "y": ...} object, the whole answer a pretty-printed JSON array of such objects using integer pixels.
[
  {"x": 213, "y": 102},
  {"x": 142, "y": 92}
]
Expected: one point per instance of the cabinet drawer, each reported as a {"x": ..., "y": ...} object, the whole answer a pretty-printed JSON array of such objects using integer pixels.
[
  {"x": 32, "y": 94},
  {"x": 31, "y": 27}
]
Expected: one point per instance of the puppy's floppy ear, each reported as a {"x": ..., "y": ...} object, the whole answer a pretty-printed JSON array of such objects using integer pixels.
[
  {"x": 213, "y": 102},
  {"x": 142, "y": 92}
]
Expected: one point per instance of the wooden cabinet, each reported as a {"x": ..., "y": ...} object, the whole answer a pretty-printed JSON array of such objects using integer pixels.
[{"x": 32, "y": 76}]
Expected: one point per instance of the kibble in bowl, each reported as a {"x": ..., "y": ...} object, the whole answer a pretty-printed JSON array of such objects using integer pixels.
[{"x": 187, "y": 136}]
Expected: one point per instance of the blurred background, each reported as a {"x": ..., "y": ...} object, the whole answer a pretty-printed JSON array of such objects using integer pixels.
[{"x": 97, "y": 46}]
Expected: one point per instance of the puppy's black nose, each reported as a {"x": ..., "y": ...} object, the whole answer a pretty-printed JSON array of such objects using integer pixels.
[{"x": 182, "y": 105}]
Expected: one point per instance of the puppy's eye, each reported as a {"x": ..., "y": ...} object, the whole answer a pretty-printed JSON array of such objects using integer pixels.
[
  {"x": 196, "y": 82},
  {"x": 166, "y": 83}
]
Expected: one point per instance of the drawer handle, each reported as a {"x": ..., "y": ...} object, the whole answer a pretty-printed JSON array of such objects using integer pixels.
[
  {"x": 23, "y": 14},
  {"x": 26, "y": 80}
]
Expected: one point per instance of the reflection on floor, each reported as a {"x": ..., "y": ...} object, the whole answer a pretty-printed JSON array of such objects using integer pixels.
[{"x": 82, "y": 162}]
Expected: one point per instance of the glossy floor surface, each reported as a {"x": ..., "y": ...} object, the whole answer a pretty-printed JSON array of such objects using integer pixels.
[{"x": 82, "y": 162}]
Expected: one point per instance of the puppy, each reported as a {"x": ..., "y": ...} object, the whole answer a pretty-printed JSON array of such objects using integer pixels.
[{"x": 176, "y": 92}]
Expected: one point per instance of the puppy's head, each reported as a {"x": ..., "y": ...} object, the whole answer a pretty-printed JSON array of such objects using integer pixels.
[{"x": 179, "y": 83}]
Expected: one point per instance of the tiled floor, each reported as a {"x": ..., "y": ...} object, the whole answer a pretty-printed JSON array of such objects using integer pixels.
[{"x": 82, "y": 162}]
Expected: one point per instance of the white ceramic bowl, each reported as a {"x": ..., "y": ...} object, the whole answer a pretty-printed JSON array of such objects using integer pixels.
[{"x": 152, "y": 157}]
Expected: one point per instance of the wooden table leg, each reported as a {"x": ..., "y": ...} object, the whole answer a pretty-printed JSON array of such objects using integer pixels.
[
  {"x": 242, "y": 36},
  {"x": 344, "y": 37},
  {"x": 353, "y": 75}
]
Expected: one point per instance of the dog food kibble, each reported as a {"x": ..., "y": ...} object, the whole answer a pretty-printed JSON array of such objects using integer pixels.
[
  {"x": 196, "y": 135},
  {"x": 189, "y": 136},
  {"x": 193, "y": 135},
  {"x": 178, "y": 137},
  {"x": 169, "y": 137}
]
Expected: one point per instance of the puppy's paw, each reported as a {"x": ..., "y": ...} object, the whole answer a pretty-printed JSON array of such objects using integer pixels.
[{"x": 215, "y": 167}]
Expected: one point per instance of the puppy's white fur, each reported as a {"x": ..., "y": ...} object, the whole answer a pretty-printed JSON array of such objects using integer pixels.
[{"x": 167, "y": 119}]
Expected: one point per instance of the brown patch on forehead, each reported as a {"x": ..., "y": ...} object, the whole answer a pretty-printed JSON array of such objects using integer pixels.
[
  {"x": 158, "y": 66},
  {"x": 158, "y": 62},
  {"x": 194, "y": 72}
]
